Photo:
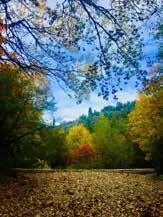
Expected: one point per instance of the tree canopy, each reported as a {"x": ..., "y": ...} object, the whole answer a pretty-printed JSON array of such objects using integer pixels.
[
  {"x": 78, "y": 135},
  {"x": 51, "y": 38}
]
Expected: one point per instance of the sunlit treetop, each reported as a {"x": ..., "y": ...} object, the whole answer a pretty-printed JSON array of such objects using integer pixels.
[{"x": 83, "y": 44}]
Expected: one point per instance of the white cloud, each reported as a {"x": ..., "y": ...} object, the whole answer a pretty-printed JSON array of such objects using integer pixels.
[
  {"x": 125, "y": 96},
  {"x": 68, "y": 110}
]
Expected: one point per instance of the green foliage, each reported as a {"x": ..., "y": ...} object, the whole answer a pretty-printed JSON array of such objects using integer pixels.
[
  {"x": 21, "y": 100},
  {"x": 119, "y": 111},
  {"x": 53, "y": 142},
  {"x": 88, "y": 120},
  {"x": 28, "y": 151},
  {"x": 112, "y": 146}
]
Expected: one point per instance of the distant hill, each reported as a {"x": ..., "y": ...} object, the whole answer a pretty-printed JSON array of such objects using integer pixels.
[{"x": 120, "y": 110}]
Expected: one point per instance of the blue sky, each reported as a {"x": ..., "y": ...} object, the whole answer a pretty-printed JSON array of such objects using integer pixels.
[{"x": 68, "y": 110}]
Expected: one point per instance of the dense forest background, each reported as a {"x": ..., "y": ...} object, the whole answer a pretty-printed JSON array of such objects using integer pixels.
[{"x": 122, "y": 136}]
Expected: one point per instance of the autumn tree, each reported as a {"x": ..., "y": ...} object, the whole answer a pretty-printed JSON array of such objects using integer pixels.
[
  {"x": 22, "y": 101},
  {"x": 145, "y": 124},
  {"x": 78, "y": 135},
  {"x": 79, "y": 144},
  {"x": 82, "y": 156},
  {"x": 53, "y": 38}
]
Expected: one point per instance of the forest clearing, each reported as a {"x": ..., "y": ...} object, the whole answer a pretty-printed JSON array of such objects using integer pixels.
[
  {"x": 84, "y": 193},
  {"x": 81, "y": 108}
]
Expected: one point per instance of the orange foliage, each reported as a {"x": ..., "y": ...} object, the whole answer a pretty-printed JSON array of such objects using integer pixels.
[
  {"x": 84, "y": 151},
  {"x": 5, "y": 66},
  {"x": 2, "y": 25},
  {"x": 2, "y": 40},
  {"x": 2, "y": 28}
]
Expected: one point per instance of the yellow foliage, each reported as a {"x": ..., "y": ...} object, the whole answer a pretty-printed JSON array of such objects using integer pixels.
[
  {"x": 78, "y": 135},
  {"x": 145, "y": 121}
]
